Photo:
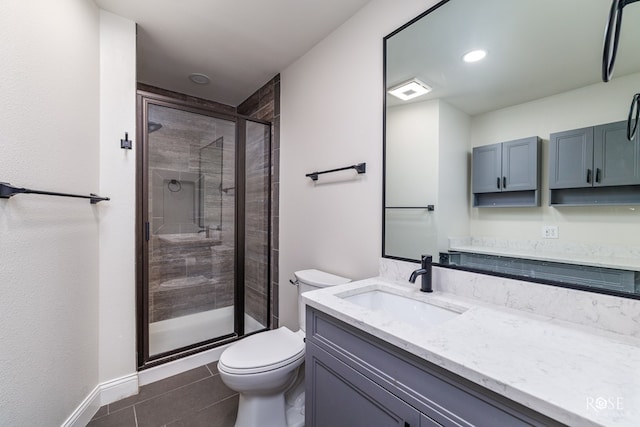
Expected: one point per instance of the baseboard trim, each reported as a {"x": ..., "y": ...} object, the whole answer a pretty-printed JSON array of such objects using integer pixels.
[
  {"x": 87, "y": 409},
  {"x": 107, "y": 392},
  {"x": 119, "y": 388},
  {"x": 178, "y": 366}
]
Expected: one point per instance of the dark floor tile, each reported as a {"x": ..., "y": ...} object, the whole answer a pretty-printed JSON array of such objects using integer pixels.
[
  {"x": 104, "y": 410},
  {"x": 179, "y": 403},
  {"x": 123, "y": 418},
  {"x": 157, "y": 388},
  {"x": 221, "y": 414},
  {"x": 213, "y": 367}
]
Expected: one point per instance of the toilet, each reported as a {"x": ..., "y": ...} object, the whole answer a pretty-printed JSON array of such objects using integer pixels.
[{"x": 263, "y": 367}]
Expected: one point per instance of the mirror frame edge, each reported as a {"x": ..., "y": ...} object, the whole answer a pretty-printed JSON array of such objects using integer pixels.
[
  {"x": 384, "y": 170},
  {"x": 384, "y": 124}
]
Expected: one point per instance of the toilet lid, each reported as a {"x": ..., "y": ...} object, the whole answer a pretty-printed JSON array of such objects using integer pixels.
[
  {"x": 320, "y": 279},
  {"x": 263, "y": 351}
]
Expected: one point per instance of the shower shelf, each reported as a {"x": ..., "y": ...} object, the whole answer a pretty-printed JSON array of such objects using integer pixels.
[{"x": 7, "y": 190}]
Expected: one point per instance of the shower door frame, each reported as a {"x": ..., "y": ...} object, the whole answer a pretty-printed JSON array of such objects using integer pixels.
[{"x": 143, "y": 100}]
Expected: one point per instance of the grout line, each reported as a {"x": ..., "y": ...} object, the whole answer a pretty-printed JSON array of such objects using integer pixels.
[
  {"x": 135, "y": 415},
  {"x": 173, "y": 389},
  {"x": 206, "y": 407},
  {"x": 226, "y": 398},
  {"x": 219, "y": 401},
  {"x": 206, "y": 365}
]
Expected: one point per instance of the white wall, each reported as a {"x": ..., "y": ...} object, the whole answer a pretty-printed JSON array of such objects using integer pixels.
[
  {"x": 453, "y": 175},
  {"x": 588, "y": 106},
  {"x": 49, "y": 251},
  {"x": 413, "y": 134},
  {"x": 427, "y": 163},
  {"x": 331, "y": 105},
  {"x": 117, "y": 180},
  {"x": 413, "y": 145}
]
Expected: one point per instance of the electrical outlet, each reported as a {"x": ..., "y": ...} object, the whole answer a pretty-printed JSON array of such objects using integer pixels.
[{"x": 549, "y": 231}]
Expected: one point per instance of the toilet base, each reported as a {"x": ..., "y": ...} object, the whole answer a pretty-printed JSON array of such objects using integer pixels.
[
  {"x": 284, "y": 409},
  {"x": 260, "y": 410},
  {"x": 294, "y": 401}
]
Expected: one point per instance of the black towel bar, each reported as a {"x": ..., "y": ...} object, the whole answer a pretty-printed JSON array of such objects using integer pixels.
[
  {"x": 430, "y": 208},
  {"x": 360, "y": 168},
  {"x": 7, "y": 190}
]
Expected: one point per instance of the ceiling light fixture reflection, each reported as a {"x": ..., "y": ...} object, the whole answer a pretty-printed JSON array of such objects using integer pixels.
[
  {"x": 474, "y": 55},
  {"x": 410, "y": 89},
  {"x": 200, "y": 79}
]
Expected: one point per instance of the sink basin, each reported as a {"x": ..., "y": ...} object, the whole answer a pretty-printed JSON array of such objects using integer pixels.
[{"x": 402, "y": 308}]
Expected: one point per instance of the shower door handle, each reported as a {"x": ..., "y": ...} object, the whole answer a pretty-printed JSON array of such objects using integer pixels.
[{"x": 146, "y": 231}]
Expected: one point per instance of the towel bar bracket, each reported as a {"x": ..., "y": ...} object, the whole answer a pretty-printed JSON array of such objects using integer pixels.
[{"x": 126, "y": 143}]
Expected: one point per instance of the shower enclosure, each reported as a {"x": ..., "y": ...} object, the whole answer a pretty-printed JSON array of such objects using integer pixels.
[{"x": 203, "y": 221}]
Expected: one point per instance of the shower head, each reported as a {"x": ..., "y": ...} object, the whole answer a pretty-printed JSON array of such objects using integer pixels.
[{"x": 153, "y": 126}]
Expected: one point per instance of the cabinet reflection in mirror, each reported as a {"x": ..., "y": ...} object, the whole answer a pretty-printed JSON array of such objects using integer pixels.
[{"x": 538, "y": 80}]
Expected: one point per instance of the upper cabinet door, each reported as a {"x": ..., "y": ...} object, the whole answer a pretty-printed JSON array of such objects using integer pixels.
[
  {"x": 616, "y": 160},
  {"x": 487, "y": 169},
  {"x": 520, "y": 169},
  {"x": 571, "y": 159}
]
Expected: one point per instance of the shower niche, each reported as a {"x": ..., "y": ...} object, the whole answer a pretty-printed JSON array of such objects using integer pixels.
[{"x": 196, "y": 258}]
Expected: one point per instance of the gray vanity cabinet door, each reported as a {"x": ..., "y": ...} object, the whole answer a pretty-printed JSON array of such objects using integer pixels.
[
  {"x": 487, "y": 169},
  {"x": 520, "y": 164},
  {"x": 571, "y": 159},
  {"x": 616, "y": 160},
  {"x": 428, "y": 422},
  {"x": 337, "y": 395}
]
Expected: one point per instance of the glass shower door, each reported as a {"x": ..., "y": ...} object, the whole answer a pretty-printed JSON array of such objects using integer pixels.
[{"x": 190, "y": 228}]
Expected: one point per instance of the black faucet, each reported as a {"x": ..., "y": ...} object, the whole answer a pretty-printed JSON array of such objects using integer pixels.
[{"x": 425, "y": 272}]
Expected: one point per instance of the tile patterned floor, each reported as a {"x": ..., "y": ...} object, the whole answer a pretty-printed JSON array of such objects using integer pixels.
[{"x": 191, "y": 399}]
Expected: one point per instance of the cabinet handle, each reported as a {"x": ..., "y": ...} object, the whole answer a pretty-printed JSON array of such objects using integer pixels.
[
  {"x": 504, "y": 182},
  {"x": 498, "y": 182},
  {"x": 588, "y": 176},
  {"x": 597, "y": 174}
]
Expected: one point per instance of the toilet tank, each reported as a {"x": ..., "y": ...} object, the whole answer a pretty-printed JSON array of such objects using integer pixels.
[{"x": 309, "y": 280}]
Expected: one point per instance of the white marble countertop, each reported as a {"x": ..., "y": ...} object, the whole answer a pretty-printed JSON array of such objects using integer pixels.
[{"x": 571, "y": 373}]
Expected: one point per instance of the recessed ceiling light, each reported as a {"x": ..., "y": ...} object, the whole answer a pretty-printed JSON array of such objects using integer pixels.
[
  {"x": 474, "y": 55},
  {"x": 410, "y": 89},
  {"x": 199, "y": 79}
]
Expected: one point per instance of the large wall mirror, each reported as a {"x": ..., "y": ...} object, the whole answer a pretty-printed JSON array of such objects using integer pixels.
[{"x": 542, "y": 74}]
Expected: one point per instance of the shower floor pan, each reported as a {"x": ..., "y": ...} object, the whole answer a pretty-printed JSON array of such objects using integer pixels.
[{"x": 170, "y": 334}]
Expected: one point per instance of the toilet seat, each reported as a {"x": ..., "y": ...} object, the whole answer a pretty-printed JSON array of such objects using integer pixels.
[{"x": 262, "y": 352}]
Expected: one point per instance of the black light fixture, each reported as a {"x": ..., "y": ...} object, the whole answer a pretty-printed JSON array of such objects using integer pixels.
[
  {"x": 612, "y": 37},
  {"x": 609, "y": 51}
]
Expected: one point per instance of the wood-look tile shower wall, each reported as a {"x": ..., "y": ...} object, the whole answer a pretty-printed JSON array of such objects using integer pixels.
[{"x": 264, "y": 104}]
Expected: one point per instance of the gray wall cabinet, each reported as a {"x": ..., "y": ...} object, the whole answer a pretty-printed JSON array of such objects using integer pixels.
[
  {"x": 507, "y": 174},
  {"x": 571, "y": 158},
  {"x": 354, "y": 379},
  {"x": 594, "y": 165}
]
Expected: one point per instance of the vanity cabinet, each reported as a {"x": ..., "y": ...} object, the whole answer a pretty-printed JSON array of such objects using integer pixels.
[
  {"x": 594, "y": 165},
  {"x": 507, "y": 173},
  {"x": 341, "y": 396},
  {"x": 356, "y": 379}
]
